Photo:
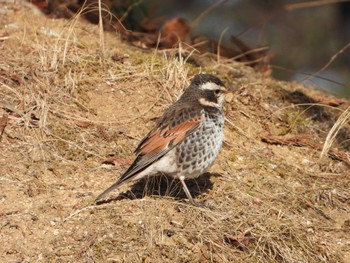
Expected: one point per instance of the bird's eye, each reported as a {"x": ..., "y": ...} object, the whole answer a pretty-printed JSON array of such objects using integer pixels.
[{"x": 217, "y": 92}]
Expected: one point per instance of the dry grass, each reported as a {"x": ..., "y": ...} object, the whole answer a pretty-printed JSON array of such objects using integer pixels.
[
  {"x": 341, "y": 122},
  {"x": 70, "y": 108}
]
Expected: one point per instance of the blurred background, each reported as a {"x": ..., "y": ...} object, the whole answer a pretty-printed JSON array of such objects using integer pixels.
[
  {"x": 305, "y": 37},
  {"x": 308, "y": 41}
]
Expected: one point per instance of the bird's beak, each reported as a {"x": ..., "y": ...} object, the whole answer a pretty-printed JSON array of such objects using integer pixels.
[{"x": 230, "y": 90}]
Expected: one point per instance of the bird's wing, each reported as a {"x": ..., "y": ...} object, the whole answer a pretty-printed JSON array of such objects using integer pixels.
[{"x": 163, "y": 138}]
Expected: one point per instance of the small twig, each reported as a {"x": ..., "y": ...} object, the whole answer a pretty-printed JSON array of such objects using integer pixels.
[
  {"x": 90, "y": 241},
  {"x": 320, "y": 211},
  {"x": 306, "y": 74},
  {"x": 130, "y": 7},
  {"x": 206, "y": 12},
  {"x": 78, "y": 212},
  {"x": 251, "y": 51},
  {"x": 239, "y": 130},
  {"x": 4, "y": 38},
  {"x": 219, "y": 43},
  {"x": 328, "y": 63},
  {"x": 2, "y": 178},
  {"x": 291, "y": 7},
  {"x": 100, "y": 25}
]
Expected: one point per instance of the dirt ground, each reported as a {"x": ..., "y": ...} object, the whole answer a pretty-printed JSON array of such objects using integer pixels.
[{"x": 74, "y": 115}]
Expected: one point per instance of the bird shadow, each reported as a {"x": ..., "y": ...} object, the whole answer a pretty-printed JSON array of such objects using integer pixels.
[{"x": 165, "y": 186}]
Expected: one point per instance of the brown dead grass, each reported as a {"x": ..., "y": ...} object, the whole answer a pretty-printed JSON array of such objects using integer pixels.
[{"x": 268, "y": 203}]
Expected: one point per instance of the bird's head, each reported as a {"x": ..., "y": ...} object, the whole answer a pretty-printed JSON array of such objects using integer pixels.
[{"x": 208, "y": 90}]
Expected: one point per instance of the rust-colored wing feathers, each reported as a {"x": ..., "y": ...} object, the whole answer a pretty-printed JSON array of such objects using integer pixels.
[
  {"x": 158, "y": 142},
  {"x": 161, "y": 139},
  {"x": 154, "y": 146}
]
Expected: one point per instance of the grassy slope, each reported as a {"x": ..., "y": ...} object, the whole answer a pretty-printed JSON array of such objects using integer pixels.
[{"x": 75, "y": 106}]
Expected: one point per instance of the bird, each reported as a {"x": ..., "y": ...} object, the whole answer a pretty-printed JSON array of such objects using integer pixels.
[{"x": 187, "y": 138}]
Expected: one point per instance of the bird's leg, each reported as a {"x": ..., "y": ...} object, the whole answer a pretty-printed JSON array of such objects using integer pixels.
[{"x": 187, "y": 192}]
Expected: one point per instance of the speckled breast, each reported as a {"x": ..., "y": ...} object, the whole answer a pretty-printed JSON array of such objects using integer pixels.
[{"x": 200, "y": 149}]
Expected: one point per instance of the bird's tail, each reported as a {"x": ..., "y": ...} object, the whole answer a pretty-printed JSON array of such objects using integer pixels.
[
  {"x": 130, "y": 175},
  {"x": 110, "y": 189}
]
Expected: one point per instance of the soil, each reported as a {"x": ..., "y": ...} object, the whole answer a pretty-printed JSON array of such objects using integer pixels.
[{"x": 72, "y": 116}]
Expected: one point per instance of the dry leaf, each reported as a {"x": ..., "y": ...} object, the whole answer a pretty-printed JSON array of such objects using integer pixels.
[
  {"x": 117, "y": 161},
  {"x": 240, "y": 241},
  {"x": 102, "y": 131},
  {"x": 82, "y": 124},
  {"x": 174, "y": 31},
  {"x": 334, "y": 102},
  {"x": 120, "y": 57}
]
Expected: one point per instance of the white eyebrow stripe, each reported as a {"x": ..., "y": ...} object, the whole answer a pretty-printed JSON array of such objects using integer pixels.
[
  {"x": 205, "y": 102},
  {"x": 211, "y": 86}
]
